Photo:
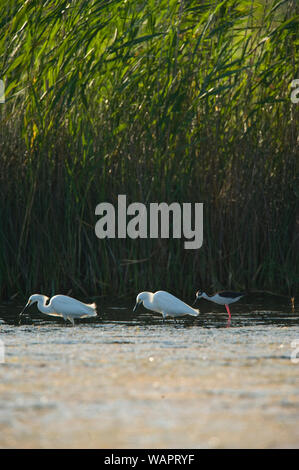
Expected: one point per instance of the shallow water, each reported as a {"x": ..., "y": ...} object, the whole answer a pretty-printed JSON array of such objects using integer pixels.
[{"x": 129, "y": 380}]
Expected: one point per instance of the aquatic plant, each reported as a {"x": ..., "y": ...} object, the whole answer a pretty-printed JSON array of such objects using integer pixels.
[{"x": 165, "y": 100}]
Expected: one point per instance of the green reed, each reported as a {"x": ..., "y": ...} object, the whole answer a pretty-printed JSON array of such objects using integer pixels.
[{"x": 163, "y": 101}]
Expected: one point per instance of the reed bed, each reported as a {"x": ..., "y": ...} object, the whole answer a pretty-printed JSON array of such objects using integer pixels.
[{"x": 185, "y": 101}]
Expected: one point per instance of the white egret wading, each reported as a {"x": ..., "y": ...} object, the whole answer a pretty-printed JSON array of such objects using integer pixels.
[
  {"x": 221, "y": 298},
  {"x": 166, "y": 304},
  {"x": 62, "y": 306}
]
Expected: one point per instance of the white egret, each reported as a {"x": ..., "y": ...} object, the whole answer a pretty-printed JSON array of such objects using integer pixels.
[
  {"x": 166, "y": 304},
  {"x": 62, "y": 306}
]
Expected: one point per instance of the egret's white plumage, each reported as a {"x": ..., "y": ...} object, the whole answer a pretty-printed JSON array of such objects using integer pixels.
[
  {"x": 166, "y": 304},
  {"x": 62, "y": 306}
]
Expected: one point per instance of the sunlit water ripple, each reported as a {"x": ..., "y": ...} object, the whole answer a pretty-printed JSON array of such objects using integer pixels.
[{"x": 129, "y": 380}]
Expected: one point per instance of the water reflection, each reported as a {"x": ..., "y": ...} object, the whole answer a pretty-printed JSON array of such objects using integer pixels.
[
  {"x": 128, "y": 380},
  {"x": 263, "y": 312}
]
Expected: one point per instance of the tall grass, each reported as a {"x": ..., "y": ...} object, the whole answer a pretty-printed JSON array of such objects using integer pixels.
[{"x": 162, "y": 100}]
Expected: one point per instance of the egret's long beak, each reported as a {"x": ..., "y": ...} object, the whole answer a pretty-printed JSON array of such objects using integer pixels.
[
  {"x": 136, "y": 306},
  {"x": 26, "y": 306}
]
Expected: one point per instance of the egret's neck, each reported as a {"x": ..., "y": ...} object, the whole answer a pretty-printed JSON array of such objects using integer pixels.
[
  {"x": 148, "y": 300},
  {"x": 205, "y": 296},
  {"x": 41, "y": 304}
]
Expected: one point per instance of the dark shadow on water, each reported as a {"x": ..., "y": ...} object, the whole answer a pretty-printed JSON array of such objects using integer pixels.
[{"x": 261, "y": 312}]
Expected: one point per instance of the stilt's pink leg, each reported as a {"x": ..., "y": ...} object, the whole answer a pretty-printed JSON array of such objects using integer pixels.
[{"x": 229, "y": 315}]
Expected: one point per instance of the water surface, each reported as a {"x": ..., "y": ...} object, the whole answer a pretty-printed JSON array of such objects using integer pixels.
[{"x": 128, "y": 380}]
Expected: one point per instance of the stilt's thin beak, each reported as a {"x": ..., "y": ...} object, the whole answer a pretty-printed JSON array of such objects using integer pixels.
[
  {"x": 136, "y": 306},
  {"x": 196, "y": 298}
]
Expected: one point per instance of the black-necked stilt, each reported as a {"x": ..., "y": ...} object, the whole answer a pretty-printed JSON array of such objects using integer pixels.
[{"x": 221, "y": 298}]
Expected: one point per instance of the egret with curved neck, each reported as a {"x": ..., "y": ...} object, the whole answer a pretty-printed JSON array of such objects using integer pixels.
[
  {"x": 166, "y": 304},
  {"x": 61, "y": 306}
]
